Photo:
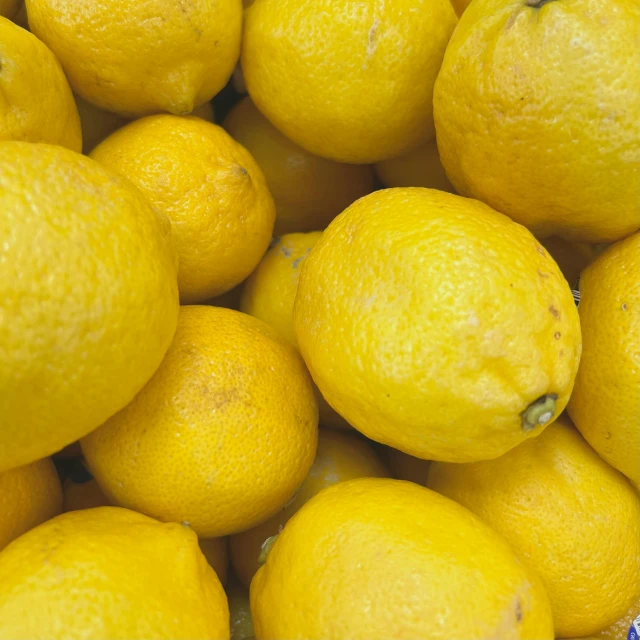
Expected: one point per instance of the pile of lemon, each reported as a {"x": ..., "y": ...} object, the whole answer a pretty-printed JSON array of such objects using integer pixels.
[{"x": 317, "y": 372}]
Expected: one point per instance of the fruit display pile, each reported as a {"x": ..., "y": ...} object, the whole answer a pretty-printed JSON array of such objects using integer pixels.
[{"x": 319, "y": 319}]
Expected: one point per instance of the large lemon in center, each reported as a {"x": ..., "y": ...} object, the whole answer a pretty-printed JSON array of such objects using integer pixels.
[{"x": 436, "y": 325}]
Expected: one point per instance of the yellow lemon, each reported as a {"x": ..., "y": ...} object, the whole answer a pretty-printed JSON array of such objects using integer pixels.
[
  {"x": 216, "y": 551},
  {"x": 221, "y": 436},
  {"x": 372, "y": 558},
  {"x": 420, "y": 167},
  {"x": 239, "y": 612},
  {"x": 112, "y": 574},
  {"x": 10, "y": 8},
  {"x": 350, "y": 81},
  {"x": 142, "y": 57},
  {"x": 29, "y": 495},
  {"x": 211, "y": 189},
  {"x": 406, "y": 467},
  {"x": 88, "y": 297},
  {"x": 309, "y": 191},
  {"x": 270, "y": 291},
  {"x": 436, "y": 325},
  {"x": 621, "y": 627},
  {"x": 524, "y": 125},
  {"x": 81, "y": 491},
  {"x": 557, "y": 503},
  {"x": 37, "y": 104},
  {"x": 340, "y": 457},
  {"x": 605, "y": 404}
]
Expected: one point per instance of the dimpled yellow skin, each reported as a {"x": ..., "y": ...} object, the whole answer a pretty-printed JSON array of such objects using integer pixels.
[
  {"x": 350, "y": 81},
  {"x": 88, "y": 297},
  {"x": 309, "y": 191},
  {"x": 112, "y": 574},
  {"x": 211, "y": 189},
  {"x": 270, "y": 291},
  {"x": 50, "y": 115},
  {"x": 420, "y": 167},
  {"x": 223, "y": 434},
  {"x": 431, "y": 322},
  {"x": 605, "y": 404},
  {"x": 557, "y": 503},
  {"x": 158, "y": 56},
  {"x": 620, "y": 628},
  {"x": 340, "y": 457},
  {"x": 522, "y": 122},
  {"x": 373, "y": 559},
  {"x": 29, "y": 495}
]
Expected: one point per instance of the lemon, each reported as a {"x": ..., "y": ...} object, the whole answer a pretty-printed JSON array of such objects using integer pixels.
[
  {"x": 88, "y": 297},
  {"x": 46, "y": 115},
  {"x": 29, "y": 495},
  {"x": 142, "y": 57},
  {"x": 270, "y": 291},
  {"x": 308, "y": 191},
  {"x": 556, "y": 502},
  {"x": 349, "y": 81},
  {"x": 340, "y": 457},
  {"x": 523, "y": 123},
  {"x": 372, "y": 558},
  {"x": 221, "y": 436},
  {"x": 605, "y": 404},
  {"x": 420, "y": 167},
  {"x": 436, "y": 325},
  {"x": 211, "y": 189},
  {"x": 112, "y": 574}
]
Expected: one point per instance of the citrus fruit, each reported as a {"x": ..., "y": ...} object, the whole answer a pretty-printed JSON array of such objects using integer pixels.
[
  {"x": 420, "y": 167},
  {"x": 29, "y": 495},
  {"x": 216, "y": 551},
  {"x": 9, "y": 8},
  {"x": 436, "y": 325},
  {"x": 221, "y": 436},
  {"x": 157, "y": 56},
  {"x": 340, "y": 457},
  {"x": 239, "y": 612},
  {"x": 88, "y": 297},
  {"x": 109, "y": 573},
  {"x": 350, "y": 81},
  {"x": 211, "y": 189},
  {"x": 308, "y": 191},
  {"x": 81, "y": 491},
  {"x": 406, "y": 467},
  {"x": 522, "y": 122},
  {"x": 270, "y": 291},
  {"x": 620, "y": 628},
  {"x": 46, "y": 115},
  {"x": 556, "y": 502},
  {"x": 605, "y": 404},
  {"x": 376, "y": 558}
]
